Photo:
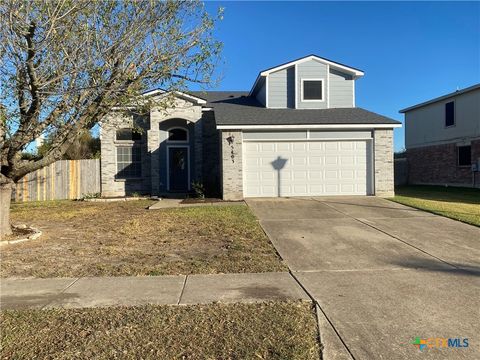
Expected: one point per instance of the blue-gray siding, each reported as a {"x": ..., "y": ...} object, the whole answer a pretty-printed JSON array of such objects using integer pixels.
[
  {"x": 340, "y": 90},
  {"x": 281, "y": 89},
  {"x": 262, "y": 94},
  {"x": 312, "y": 70}
]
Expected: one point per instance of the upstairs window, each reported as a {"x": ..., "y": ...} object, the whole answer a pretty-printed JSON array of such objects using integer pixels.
[
  {"x": 449, "y": 114},
  {"x": 177, "y": 134},
  {"x": 312, "y": 90},
  {"x": 128, "y": 135},
  {"x": 464, "y": 155}
]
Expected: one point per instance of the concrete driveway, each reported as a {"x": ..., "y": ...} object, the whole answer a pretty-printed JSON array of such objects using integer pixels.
[{"x": 381, "y": 273}]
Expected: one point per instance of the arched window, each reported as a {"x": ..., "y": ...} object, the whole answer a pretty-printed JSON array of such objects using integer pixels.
[
  {"x": 177, "y": 134},
  {"x": 128, "y": 134}
]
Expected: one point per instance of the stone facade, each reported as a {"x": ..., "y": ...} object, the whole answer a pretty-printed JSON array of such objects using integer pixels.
[
  {"x": 232, "y": 163},
  {"x": 438, "y": 164},
  {"x": 111, "y": 185},
  {"x": 383, "y": 162},
  {"x": 154, "y": 145}
]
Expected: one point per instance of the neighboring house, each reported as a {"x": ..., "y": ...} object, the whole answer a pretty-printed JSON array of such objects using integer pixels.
[
  {"x": 296, "y": 133},
  {"x": 442, "y": 139}
]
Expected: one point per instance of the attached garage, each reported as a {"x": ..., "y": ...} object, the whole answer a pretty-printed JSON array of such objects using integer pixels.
[
  {"x": 307, "y": 163},
  {"x": 291, "y": 152}
]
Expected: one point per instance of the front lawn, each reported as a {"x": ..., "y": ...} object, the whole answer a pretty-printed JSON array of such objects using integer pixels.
[
  {"x": 123, "y": 238},
  {"x": 457, "y": 203},
  {"x": 273, "y": 330}
]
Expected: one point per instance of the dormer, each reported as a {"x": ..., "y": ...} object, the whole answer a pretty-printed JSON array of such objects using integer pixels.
[{"x": 310, "y": 82}]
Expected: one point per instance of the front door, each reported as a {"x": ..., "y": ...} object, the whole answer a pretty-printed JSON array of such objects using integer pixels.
[{"x": 178, "y": 165}]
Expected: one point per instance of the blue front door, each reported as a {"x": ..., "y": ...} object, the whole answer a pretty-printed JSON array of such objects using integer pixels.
[{"x": 178, "y": 166}]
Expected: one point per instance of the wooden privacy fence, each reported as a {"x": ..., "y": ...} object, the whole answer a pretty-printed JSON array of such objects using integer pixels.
[{"x": 64, "y": 179}]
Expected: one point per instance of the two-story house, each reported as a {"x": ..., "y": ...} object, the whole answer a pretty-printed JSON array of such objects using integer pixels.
[
  {"x": 442, "y": 139},
  {"x": 297, "y": 132}
]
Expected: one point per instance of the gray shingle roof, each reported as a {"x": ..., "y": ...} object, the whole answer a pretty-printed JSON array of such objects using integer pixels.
[
  {"x": 440, "y": 98},
  {"x": 236, "y": 108},
  {"x": 213, "y": 97}
]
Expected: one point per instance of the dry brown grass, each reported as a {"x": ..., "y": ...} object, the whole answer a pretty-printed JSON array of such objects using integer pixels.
[
  {"x": 123, "y": 238},
  {"x": 238, "y": 331}
]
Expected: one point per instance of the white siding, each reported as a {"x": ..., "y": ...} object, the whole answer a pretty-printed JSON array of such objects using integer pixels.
[{"x": 426, "y": 125}]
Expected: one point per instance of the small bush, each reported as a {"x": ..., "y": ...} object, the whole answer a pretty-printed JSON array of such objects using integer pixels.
[{"x": 199, "y": 189}]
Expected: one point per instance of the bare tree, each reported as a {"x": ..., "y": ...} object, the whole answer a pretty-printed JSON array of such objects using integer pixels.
[{"x": 65, "y": 64}]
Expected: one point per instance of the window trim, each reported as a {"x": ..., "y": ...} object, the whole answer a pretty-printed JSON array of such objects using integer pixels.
[
  {"x": 445, "y": 114},
  {"x": 302, "y": 89},
  {"x": 127, "y": 178},
  {"x": 178, "y": 141},
  {"x": 458, "y": 156}
]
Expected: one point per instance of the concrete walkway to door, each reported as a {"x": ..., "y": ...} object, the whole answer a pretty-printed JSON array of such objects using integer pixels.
[{"x": 381, "y": 273}]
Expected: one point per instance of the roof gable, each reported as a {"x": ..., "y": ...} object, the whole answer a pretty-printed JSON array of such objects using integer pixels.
[
  {"x": 161, "y": 93},
  {"x": 333, "y": 64},
  {"x": 356, "y": 73}
]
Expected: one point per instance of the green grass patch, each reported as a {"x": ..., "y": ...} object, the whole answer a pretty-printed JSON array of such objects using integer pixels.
[
  {"x": 461, "y": 204},
  {"x": 275, "y": 330}
]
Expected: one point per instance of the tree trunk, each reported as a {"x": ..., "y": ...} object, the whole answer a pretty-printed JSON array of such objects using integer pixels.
[{"x": 5, "y": 197}]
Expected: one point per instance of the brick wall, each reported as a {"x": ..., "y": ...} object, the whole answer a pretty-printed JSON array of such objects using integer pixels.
[
  {"x": 112, "y": 187},
  {"x": 232, "y": 173},
  {"x": 437, "y": 164},
  {"x": 383, "y": 155},
  {"x": 211, "y": 155}
]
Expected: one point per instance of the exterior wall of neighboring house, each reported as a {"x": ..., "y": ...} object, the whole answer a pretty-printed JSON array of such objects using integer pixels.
[
  {"x": 432, "y": 148},
  {"x": 341, "y": 90},
  {"x": 425, "y": 126},
  {"x": 312, "y": 69},
  {"x": 437, "y": 164},
  {"x": 281, "y": 89}
]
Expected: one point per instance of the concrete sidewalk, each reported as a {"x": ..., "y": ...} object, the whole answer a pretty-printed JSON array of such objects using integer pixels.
[{"x": 160, "y": 290}]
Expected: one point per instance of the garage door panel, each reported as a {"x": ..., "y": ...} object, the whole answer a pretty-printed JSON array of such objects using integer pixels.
[{"x": 311, "y": 168}]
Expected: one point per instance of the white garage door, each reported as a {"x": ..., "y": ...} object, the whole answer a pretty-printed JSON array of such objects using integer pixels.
[{"x": 306, "y": 168}]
